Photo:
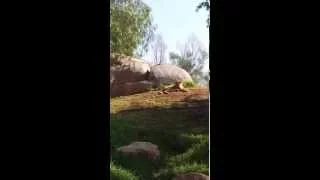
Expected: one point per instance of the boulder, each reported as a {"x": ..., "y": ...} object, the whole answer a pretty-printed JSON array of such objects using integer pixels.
[
  {"x": 168, "y": 74},
  {"x": 192, "y": 176},
  {"x": 136, "y": 148},
  {"x": 129, "y": 72},
  {"x": 127, "y": 69}
]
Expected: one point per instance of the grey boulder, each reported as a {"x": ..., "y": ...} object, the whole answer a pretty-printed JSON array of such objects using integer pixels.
[
  {"x": 128, "y": 70},
  {"x": 168, "y": 74}
]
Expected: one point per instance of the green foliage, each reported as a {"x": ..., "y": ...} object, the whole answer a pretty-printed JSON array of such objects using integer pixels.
[
  {"x": 185, "y": 168},
  {"x": 205, "y": 4},
  {"x": 194, "y": 159},
  {"x": 188, "y": 84},
  {"x": 197, "y": 151},
  {"x": 118, "y": 173},
  {"x": 131, "y": 27}
]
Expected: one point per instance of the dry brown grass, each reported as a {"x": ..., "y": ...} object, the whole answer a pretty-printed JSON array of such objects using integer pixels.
[{"x": 153, "y": 99}]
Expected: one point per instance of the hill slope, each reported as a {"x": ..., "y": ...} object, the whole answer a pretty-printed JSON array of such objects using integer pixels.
[{"x": 177, "y": 122}]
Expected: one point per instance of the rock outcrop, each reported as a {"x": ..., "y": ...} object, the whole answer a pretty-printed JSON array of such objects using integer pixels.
[
  {"x": 129, "y": 71},
  {"x": 130, "y": 75}
]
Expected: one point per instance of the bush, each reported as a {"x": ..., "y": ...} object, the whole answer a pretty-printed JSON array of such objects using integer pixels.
[{"x": 188, "y": 84}]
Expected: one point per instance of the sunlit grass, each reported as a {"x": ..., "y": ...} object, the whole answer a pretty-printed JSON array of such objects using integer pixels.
[{"x": 118, "y": 173}]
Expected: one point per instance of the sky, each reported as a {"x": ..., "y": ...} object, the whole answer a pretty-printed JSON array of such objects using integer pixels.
[{"x": 176, "y": 21}]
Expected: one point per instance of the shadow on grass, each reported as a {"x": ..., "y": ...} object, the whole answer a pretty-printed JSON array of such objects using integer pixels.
[{"x": 180, "y": 131}]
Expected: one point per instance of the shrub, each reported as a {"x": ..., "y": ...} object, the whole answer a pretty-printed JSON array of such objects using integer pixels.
[{"x": 188, "y": 84}]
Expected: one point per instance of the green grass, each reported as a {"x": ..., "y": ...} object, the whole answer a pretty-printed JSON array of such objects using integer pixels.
[
  {"x": 118, "y": 173},
  {"x": 180, "y": 133},
  {"x": 169, "y": 173}
]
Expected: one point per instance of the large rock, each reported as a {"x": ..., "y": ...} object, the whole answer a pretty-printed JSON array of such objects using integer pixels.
[
  {"x": 136, "y": 148},
  {"x": 129, "y": 75},
  {"x": 127, "y": 69},
  {"x": 168, "y": 74},
  {"x": 129, "y": 72},
  {"x": 124, "y": 89},
  {"x": 192, "y": 176}
]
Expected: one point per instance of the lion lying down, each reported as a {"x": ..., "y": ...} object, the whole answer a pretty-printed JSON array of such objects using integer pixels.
[{"x": 178, "y": 86}]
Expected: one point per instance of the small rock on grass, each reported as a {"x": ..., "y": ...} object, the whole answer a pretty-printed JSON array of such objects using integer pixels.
[{"x": 136, "y": 148}]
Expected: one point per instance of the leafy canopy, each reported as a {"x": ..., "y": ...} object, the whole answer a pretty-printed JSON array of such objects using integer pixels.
[{"x": 131, "y": 27}]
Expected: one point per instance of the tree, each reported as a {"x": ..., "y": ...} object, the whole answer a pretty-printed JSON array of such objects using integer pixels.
[
  {"x": 205, "y": 4},
  {"x": 192, "y": 58},
  {"x": 159, "y": 48},
  {"x": 131, "y": 28}
]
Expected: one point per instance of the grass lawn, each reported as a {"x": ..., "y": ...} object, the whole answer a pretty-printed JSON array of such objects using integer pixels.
[{"x": 177, "y": 122}]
